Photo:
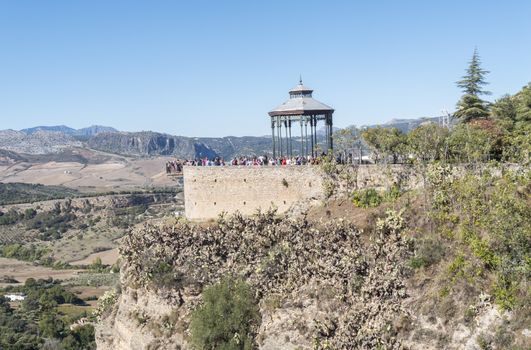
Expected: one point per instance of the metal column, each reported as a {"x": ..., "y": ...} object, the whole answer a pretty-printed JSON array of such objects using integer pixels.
[
  {"x": 331, "y": 134},
  {"x": 290, "y": 143},
  {"x": 315, "y": 134},
  {"x": 311, "y": 134},
  {"x": 302, "y": 138},
  {"x": 273, "y": 136},
  {"x": 279, "y": 128},
  {"x": 306, "y": 153}
]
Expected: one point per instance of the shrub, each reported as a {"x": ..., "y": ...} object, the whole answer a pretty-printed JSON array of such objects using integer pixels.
[
  {"x": 392, "y": 194},
  {"x": 11, "y": 217},
  {"x": 368, "y": 198},
  {"x": 81, "y": 337},
  {"x": 162, "y": 274},
  {"x": 328, "y": 188},
  {"x": 105, "y": 303},
  {"x": 228, "y": 317}
]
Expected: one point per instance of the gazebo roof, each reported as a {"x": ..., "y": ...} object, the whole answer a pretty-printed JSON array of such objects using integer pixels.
[{"x": 301, "y": 102}]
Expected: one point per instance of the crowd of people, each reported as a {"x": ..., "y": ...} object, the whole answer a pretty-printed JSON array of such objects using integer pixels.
[{"x": 176, "y": 166}]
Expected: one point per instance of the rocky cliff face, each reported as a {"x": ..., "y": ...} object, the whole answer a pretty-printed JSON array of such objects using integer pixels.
[
  {"x": 317, "y": 284},
  {"x": 131, "y": 324},
  {"x": 150, "y": 143}
]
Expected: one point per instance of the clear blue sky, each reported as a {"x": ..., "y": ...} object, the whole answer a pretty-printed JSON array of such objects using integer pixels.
[{"x": 215, "y": 68}]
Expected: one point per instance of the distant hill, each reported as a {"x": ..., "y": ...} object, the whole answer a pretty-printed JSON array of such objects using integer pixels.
[
  {"x": 37, "y": 142},
  {"x": 94, "y": 130},
  {"x": 406, "y": 125},
  {"x": 56, "y": 128},
  {"x": 83, "y": 132}
]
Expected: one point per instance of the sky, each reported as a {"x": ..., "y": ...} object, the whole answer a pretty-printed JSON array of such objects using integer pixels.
[{"x": 215, "y": 68}]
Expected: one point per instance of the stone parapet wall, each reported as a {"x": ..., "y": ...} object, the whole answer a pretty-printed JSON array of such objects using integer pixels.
[{"x": 209, "y": 191}]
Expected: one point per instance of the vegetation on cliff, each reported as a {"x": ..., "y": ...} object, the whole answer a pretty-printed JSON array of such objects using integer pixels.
[
  {"x": 277, "y": 257},
  {"x": 487, "y": 221},
  {"x": 468, "y": 230},
  {"x": 227, "y": 318}
]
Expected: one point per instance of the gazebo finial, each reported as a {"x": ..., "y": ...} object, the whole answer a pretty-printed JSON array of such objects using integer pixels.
[{"x": 300, "y": 79}]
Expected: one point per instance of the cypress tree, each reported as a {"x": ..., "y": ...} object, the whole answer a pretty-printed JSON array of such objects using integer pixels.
[{"x": 471, "y": 106}]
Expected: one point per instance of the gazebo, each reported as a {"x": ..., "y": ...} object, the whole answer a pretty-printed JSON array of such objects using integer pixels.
[{"x": 301, "y": 108}]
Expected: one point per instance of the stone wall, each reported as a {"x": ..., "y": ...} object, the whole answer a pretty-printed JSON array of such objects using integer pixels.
[{"x": 209, "y": 191}]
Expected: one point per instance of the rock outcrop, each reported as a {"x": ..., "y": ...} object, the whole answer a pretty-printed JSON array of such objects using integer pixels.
[{"x": 319, "y": 286}]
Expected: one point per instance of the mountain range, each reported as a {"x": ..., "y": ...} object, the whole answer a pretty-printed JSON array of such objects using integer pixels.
[
  {"x": 46, "y": 140},
  {"x": 83, "y": 132}
]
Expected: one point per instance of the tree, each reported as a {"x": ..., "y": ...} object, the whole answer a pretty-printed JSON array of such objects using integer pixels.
[
  {"x": 227, "y": 319},
  {"x": 427, "y": 142},
  {"x": 504, "y": 109},
  {"x": 470, "y": 143},
  {"x": 82, "y": 337},
  {"x": 51, "y": 325},
  {"x": 523, "y": 105},
  {"x": 513, "y": 115},
  {"x": 517, "y": 145},
  {"x": 471, "y": 106},
  {"x": 385, "y": 142}
]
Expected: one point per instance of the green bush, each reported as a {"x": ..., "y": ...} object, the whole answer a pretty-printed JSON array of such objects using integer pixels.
[
  {"x": 228, "y": 317},
  {"x": 489, "y": 219},
  {"x": 81, "y": 337},
  {"x": 392, "y": 194},
  {"x": 368, "y": 198}
]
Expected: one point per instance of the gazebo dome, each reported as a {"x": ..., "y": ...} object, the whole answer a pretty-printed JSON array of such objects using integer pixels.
[
  {"x": 301, "y": 102},
  {"x": 300, "y": 90}
]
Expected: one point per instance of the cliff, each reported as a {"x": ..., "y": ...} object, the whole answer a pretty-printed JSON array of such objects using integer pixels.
[
  {"x": 148, "y": 143},
  {"x": 315, "y": 283},
  {"x": 344, "y": 276}
]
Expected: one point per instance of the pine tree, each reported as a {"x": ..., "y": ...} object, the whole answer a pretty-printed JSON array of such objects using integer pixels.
[{"x": 471, "y": 106}]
